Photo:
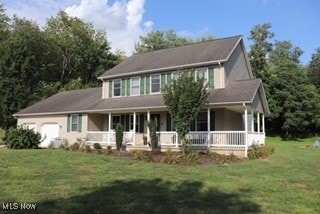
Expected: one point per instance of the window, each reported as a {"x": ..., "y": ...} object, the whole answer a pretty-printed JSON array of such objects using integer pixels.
[
  {"x": 115, "y": 121},
  {"x": 202, "y": 72},
  {"x": 200, "y": 123},
  {"x": 135, "y": 86},
  {"x": 116, "y": 88},
  {"x": 137, "y": 122},
  {"x": 155, "y": 83},
  {"x": 74, "y": 123}
]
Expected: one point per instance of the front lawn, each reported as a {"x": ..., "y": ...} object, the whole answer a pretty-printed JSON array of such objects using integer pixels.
[{"x": 77, "y": 182}]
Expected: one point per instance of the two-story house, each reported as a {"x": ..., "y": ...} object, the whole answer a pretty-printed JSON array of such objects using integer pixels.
[{"x": 132, "y": 95}]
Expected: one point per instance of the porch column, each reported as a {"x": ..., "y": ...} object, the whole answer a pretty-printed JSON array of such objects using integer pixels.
[
  {"x": 208, "y": 127},
  {"x": 246, "y": 130},
  {"x": 258, "y": 121},
  {"x": 109, "y": 128},
  {"x": 148, "y": 130},
  {"x": 263, "y": 130},
  {"x": 134, "y": 128},
  {"x": 252, "y": 120}
]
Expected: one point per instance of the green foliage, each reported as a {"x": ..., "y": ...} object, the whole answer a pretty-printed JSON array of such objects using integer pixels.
[
  {"x": 21, "y": 138},
  {"x": 38, "y": 62},
  {"x": 261, "y": 47},
  {"x": 119, "y": 136},
  {"x": 313, "y": 70},
  {"x": 97, "y": 146},
  {"x": 165, "y": 39},
  {"x": 260, "y": 152},
  {"x": 75, "y": 146},
  {"x": 109, "y": 150},
  {"x": 294, "y": 102},
  {"x": 185, "y": 98},
  {"x": 153, "y": 124}
]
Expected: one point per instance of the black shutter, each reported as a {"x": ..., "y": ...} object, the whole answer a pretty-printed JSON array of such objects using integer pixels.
[
  {"x": 141, "y": 128},
  {"x": 212, "y": 120}
]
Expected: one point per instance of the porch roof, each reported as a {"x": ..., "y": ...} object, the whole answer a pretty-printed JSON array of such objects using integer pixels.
[{"x": 90, "y": 100}]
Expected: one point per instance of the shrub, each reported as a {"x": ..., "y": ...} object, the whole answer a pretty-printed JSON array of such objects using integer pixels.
[
  {"x": 171, "y": 157},
  {"x": 109, "y": 150},
  {"x": 97, "y": 146},
  {"x": 87, "y": 148},
  {"x": 141, "y": 155},
  {"x": 65, "y": 144},
  {"x": 153, "y": 124},
  {"x": 75, "y": 146},
  {"x": 21, "y": 138},
  {"x": 119, "y": 136},
  {"x": 260, "y": 152}
]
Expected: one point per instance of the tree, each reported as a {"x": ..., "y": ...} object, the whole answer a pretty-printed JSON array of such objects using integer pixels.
[
  {"x": 153, "y": 124},
  {"x": 161, "y": 40},
  {"x": 119, "y": 136},
  {"x": 313, "y": 69},
  {"x": 81, "y": 51},
  {"x": 294, "y": 102},
  {"x": 261, "y": 47},
  {"x": 22, "y": 62},
  {"x": 185, "y": 98}
]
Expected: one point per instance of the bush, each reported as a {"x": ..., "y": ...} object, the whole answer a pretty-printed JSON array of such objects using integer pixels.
[
  {"x": 109, "y": 150},
  {"x": 97, "y": 146},
  {"x": 75, "y": 147},
  {"x": 119, "y": 136},
  {"x": 21, "y": 138},
  {"x": 141, "y": 155},
  {"x": 153, "y": 124},
  {"x": 260, "y": 152},
  {"x": 87, "y": 148},
  {"x": 172, "y": 157}
]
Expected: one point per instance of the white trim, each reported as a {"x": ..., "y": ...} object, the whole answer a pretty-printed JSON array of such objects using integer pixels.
[{"x": 148, "y": 130}]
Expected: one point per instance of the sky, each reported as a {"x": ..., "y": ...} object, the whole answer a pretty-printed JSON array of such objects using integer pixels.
[{"x": 126, "y": 20}]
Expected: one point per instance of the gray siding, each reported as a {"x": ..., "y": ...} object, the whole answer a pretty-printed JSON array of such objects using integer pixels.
[{"x": 236, "y": 68}]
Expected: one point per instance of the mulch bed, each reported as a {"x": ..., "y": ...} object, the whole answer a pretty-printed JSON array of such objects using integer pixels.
[{"x": 169, "y": 157}]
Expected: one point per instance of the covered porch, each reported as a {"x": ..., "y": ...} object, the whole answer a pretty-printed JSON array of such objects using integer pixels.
[{"x": 224, "y": 129}]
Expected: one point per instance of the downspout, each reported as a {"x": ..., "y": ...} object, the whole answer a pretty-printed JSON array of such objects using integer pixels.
[{"x": 246, "y": 130}]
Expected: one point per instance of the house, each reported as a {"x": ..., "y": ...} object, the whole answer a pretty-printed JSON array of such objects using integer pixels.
[{"x": 232, "y": 121}]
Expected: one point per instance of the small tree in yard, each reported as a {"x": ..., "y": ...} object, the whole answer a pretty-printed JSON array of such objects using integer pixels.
[
  {"x": 119, "y": 136},
  {"x": 153, "y": 134},
  {"x": 22, "y": 138},
  {"x": 185, "y": 98}
]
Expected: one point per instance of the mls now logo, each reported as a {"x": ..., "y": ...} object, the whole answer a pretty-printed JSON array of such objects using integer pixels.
[{"x": 18, "y": 206}]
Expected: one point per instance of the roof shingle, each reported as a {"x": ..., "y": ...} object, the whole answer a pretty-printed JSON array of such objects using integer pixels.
[
  {"x": 90, "y": 100},
  {"x": 179, "y": 57}
]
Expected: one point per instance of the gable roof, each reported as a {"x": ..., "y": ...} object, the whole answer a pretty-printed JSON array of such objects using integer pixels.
[
  {"x": 193, "y": 55},
  {"x": 89, "y": 100}
]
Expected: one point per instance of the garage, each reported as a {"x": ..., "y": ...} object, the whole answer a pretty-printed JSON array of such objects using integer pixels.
[{"x": 49, "y": 132}]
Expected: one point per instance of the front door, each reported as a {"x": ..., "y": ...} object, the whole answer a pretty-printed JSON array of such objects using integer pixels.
[{"x": 156, "y": 117}]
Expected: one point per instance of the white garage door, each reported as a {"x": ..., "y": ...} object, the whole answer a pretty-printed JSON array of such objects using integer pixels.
[{"x": 49, "y": 132}]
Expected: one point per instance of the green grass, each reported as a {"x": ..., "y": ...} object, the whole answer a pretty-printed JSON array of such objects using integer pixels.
[{"x": 76, "y": 182}]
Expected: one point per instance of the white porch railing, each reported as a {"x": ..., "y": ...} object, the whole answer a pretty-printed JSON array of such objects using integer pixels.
[
  {"x": 200, "y": 139},
  {"x": 228, "y": 138},
  {"x": 109, "y": 138},
  {"x": 256, "y": 138}
]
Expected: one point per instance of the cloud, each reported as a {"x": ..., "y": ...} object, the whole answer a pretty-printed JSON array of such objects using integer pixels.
[
  {"x": 122, "y": 20},
  {"x": 36, "y": 10}
]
